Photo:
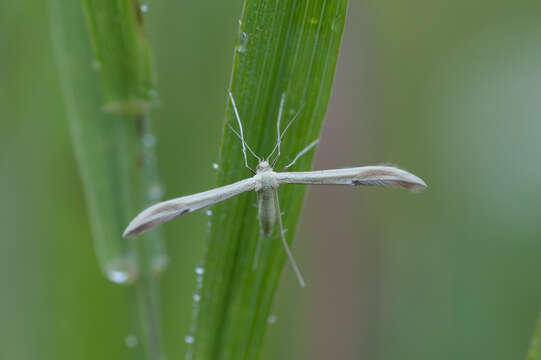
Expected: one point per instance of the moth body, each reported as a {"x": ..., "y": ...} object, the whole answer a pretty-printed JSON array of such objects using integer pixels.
[
  {"x": 266, "y": 211},
  {"x": 265, "y": 187}
]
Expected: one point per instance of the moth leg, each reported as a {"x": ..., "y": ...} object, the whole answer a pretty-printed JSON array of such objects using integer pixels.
[
  {"x": 284, "y": 242},
  {"x": 301, "y": 153}
]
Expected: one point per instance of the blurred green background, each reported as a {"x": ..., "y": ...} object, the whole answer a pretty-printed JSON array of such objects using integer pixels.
[{"x": 448, "y": 90}]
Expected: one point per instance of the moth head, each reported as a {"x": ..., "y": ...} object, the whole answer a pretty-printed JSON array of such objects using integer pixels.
[{"x": 263, "y": 166}]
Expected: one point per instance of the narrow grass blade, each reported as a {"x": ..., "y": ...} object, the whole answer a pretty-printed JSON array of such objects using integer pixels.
[
  {"x": 114, "y": 149},
  {"x": 122, "y": 54},
  {"x": 535, "y": 348},
  {"x": 284, "y": 47}
]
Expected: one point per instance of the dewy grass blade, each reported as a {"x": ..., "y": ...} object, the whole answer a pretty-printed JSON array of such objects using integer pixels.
[
  {"x": 122, "y": 53},
  {"x": 284, "y": 47},
  {"x": 113, "y": 148},
  {"x": 534, "y": 353}
]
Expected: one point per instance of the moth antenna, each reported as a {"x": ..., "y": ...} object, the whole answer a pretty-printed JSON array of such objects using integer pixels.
[{"x": 241, "y": 136}]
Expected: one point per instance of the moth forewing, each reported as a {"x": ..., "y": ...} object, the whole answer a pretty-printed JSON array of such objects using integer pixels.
[
  {"x": 164, "y": 211},
  {"x": 388, "y": 176}
]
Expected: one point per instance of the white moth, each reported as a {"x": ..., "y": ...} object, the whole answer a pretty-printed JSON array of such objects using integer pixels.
[{"x": 265, "y": 182}]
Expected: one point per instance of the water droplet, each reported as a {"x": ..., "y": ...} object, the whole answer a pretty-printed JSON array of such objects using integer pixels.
[
  {"x": 121, "y": 271},
  {"x": 215, "y": 166},
  {"x": 208, "y": 212},
  {"x": 243, "y": 41},
  {"x": 159, "y": 264},
  {"x": 337, "y": 23},
  {"x": 149, "y": 140},
  {"x": 188, "y": 339},
  {"x": 314, "y": 21},
  {"x": 144, "y": 8},
  {"x": 118, "y": 276},
  {"x": 272, "y": 319},
  {"x": 155, "y": 192},
  {"x": 131, "y": 341}
]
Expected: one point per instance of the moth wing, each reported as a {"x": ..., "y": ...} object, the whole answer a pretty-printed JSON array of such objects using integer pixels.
[
  {"x": 164, "y": 211},
  {"x": 388, "y": 176}
]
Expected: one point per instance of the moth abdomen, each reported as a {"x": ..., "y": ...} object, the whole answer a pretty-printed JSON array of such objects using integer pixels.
[{"x": 266, "y": 211}]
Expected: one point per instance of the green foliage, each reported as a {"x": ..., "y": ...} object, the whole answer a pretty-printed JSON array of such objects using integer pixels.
[
  {"x": 122, "y": 54},
  {"x": 394, "y": 276},
  {"x": 291, "y": 48},
  {"x": 535, "y": 348},
  {"x": 113, "y": 149}
]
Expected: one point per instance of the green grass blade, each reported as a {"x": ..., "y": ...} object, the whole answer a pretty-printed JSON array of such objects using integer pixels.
[
  {"x": 122, "y": 54},
  {"x": 114, "y": 149},
  {"x": 286, "y": 47},
  {"x": 535, "y": 348}
]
